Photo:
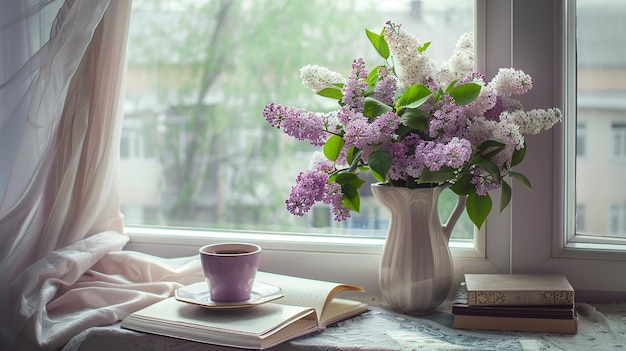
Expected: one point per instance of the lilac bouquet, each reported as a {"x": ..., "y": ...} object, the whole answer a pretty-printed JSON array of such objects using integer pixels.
[{"x": 412, "y": 124}]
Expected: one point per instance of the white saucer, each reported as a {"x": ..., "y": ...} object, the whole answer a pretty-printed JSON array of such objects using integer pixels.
[{"x": 199, "y": 294}]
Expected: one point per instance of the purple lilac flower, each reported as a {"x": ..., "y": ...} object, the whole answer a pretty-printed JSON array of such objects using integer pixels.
[
  {"x": 449, "y": 120},
  {"x": 493, "y": 114},
  {"x": 484, "y": 182},
  {"x": 309, "y": 189},
  {"x": 385, "y": 90},
  {"x": 346, "y": 114},
  {"x": 334, "y": 197},
  {"x": 453, "y": 154},
  {"x": 355, "y": 86},
  {"x": 297, "y": 122},
  {"x": 359, "y": 133},
  {"x": 387, "y": 123},
  {"x": 407, "y": 157}
]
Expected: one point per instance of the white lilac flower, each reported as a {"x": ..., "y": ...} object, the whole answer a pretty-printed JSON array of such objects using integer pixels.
[
  {"x": 510, "y": 81},
  {"x": 318, "y": 78},
  {"x": 320, "y": 162},
  {"x": 412, "y": 67},
  {"x": 479, "y": 130},
  {"x": 485, "y": 101},
  {"x": 506, "y": 132},
  {"x": 461, "y": 63},
  {"x": 533, "y": 121}
]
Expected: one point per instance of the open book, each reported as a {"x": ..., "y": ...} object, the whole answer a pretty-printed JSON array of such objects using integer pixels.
[{"x": 307, "y": 306}]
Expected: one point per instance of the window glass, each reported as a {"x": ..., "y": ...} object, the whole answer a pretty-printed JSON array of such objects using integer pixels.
[
  {"x": 601, "y": 115},
  {"x": 200, "y": 73}
]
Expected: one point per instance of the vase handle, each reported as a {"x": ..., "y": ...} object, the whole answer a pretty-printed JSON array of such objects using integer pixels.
[{"x": 454, "y": 216}]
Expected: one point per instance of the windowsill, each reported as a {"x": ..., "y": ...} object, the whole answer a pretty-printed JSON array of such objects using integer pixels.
[
  {"x": 347, "y": 259},
  {"x": 383, "y": 329},
  {"x": 193, "y": 238}
]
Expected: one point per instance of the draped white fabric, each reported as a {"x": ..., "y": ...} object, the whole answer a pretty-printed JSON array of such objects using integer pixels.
[{"x": 61, "y": 87}]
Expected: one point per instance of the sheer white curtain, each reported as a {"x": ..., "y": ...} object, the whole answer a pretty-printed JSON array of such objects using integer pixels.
[{"x": 61, "y": 268}]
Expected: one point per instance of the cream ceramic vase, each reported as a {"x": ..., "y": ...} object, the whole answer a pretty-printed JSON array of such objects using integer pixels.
[{"x": 416, "y": 266}]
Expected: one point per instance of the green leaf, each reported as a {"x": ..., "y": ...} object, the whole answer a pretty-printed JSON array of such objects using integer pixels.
[
  {"x": 356, "y": 158},
  {"x": 518, "y": 156},
  {"x": 423, "y": 48},
  {"x": 379, "y": 42},
  {"x": 463, "y": 185},
  {"x": 415, "y": 118},
  {"x": 378, "y": 177},
  {"x": 478, "y": 208},
  {"x": 450, "y": 86},
  {"x": 414, "y": 96},
  {"x": 465, "y": 93},
  {"x": 522, "y": 179},
  {"x": 332, "y": 147},
  {"x": 380, "y": 162},
  {"x": 349, "y": 178},
  {"x": 331, "y": 93},
  {"x": 505, "y": 195},
  {"x": 440, "y": 176},
  {"x": 403, "y": 129},
  {"x": 373, "y": 76},
  {"x": 493, "y": 146},
  {"x": 489, "y": 144},
  {"x": 490, "y": 167},
  {"x": 375, "y": 108},
  {"x": 352, "y": 151},
  {"x": 351, "y": 197}
]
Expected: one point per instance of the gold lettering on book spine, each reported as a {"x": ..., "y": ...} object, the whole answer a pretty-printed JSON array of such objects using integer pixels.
[
  {"x": 487, "y": 298},
  {"x": 500, "y": 298}
]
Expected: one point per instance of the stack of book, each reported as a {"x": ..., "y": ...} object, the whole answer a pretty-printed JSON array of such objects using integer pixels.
[{"x": 516, "y": 302}]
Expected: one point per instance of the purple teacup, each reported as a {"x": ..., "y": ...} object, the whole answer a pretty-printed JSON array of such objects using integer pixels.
[{"x": 230, "y": 270}]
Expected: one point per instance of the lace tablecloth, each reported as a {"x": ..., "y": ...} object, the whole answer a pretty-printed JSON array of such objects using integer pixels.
[{"x": 601, "y": 327}]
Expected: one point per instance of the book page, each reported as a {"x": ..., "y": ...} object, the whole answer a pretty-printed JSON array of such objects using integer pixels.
[
  {"x": 258, "y": 327},
  {"x": 308, "y": 293},
  {"x": 258, "y": 320}
]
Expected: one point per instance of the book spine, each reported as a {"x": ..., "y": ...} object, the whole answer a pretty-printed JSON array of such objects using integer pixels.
[
  {"x": 541, "y": 325},
  {"x": 497, "y": 298}
]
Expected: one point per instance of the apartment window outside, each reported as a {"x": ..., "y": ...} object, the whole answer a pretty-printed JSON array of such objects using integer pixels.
[
  {"x": 618, "y": 138},
  {"x": 617, "y": 220},
  {"x": 199, "y": 74}
]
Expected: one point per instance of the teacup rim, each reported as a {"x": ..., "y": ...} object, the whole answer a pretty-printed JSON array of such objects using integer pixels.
[{"x": 256, "y": 249}]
